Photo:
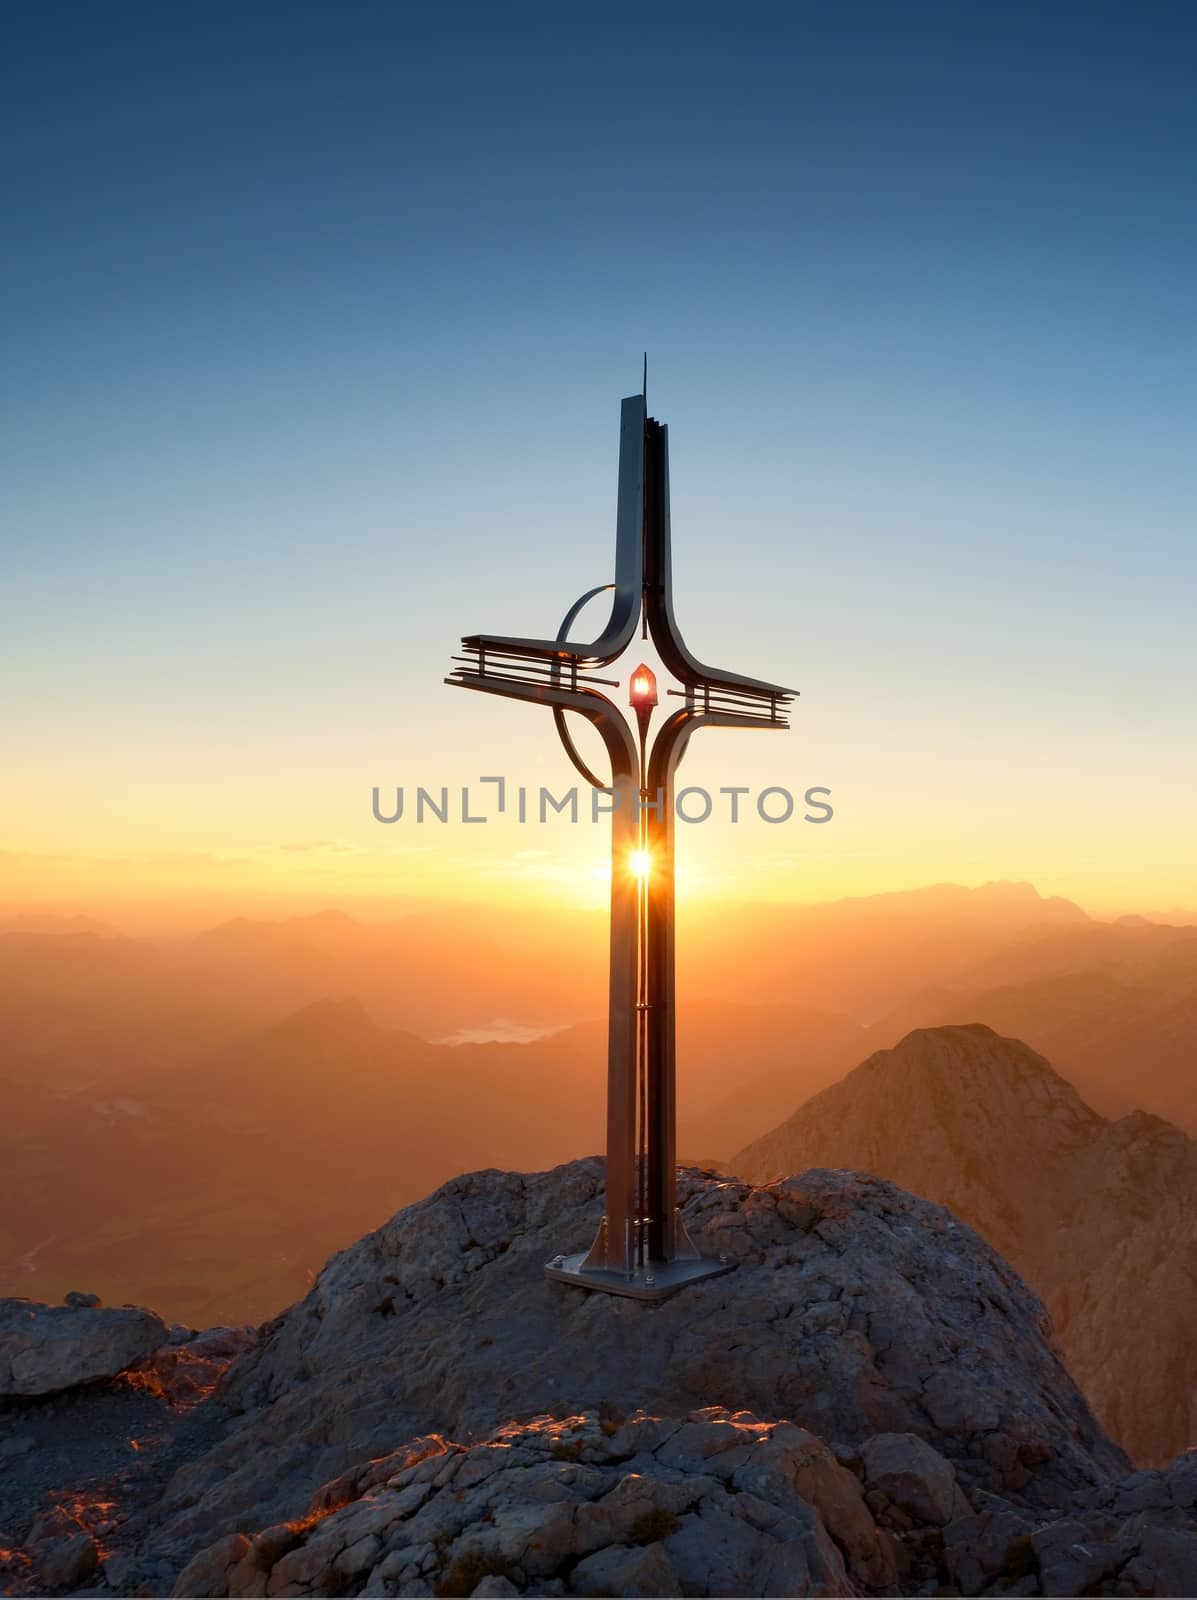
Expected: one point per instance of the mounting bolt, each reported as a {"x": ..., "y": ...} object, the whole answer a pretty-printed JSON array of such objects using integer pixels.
[
  {"x": 723, "y": 1261},
  {"x": 649, "y": 1281}
]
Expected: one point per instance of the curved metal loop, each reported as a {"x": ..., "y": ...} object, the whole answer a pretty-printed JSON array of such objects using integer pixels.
[
  {"x": 675, "y": 734},
  {"x": 567, "y": 621},
  {"x": 563, "y": 732}
]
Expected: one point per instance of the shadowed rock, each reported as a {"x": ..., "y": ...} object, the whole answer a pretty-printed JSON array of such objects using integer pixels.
[
  {"x": 709, "y": 1504},
  {"x": 44, "y": 1349}
]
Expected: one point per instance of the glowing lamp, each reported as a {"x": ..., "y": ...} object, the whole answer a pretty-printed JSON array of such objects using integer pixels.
[{"x": 642, "y": 692}]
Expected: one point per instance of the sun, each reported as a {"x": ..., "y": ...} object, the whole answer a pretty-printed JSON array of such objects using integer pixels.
[{"x": 640, "y": 862}]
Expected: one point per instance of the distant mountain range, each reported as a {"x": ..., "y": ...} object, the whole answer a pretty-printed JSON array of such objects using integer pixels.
[
  {"x": 1096, "y": 1215},
  {"x": 82, "y": 1008},
  {"x": 49, "y": 922},
  {"x": 75, "y": 999},
  {"x": 198, "y": 1123},
  {"x": 1114, "y": 1006}
]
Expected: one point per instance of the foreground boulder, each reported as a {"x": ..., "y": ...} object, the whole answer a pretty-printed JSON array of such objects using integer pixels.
[
  {"x": 709, "y": 1504},
  {"x": 44, "y": 1349}
]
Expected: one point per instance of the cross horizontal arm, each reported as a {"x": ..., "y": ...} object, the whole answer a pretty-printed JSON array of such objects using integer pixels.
[{"x": 586, "y": 702}]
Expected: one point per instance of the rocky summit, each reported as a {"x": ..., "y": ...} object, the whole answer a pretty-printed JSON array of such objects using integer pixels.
[{"x": 871, "y": 1402}]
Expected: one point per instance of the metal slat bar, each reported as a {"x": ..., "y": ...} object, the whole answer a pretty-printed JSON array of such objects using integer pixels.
[{"x": 515, "y": 677}]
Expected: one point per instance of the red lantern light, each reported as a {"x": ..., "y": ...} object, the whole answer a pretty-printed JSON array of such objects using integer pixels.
[{"x": 642, "y": 690}]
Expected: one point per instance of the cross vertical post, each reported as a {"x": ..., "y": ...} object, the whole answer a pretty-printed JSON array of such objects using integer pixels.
[{"x": 642, "y": 1249}]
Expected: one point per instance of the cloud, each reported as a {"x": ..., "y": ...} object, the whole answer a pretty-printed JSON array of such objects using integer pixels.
[
  {"x": 323, "y": 847},
  {"x": 123, "y": 858}
]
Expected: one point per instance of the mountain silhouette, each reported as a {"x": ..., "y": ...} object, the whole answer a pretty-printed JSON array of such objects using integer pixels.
[
  {"x": 1090, "y": 1211},
  {"x": 1113, "y": 1005}
]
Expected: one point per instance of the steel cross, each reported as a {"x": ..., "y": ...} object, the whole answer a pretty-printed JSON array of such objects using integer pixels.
[{"x": 642, "y": 1248}]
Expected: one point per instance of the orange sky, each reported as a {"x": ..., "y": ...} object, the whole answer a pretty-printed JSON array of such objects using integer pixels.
[{"x": 160, "y": 834}]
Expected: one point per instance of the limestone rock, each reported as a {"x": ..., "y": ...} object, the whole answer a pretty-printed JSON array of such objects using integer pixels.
[
  {"x": 708, "y": 1503},
  {"x": 68, "y": 1562},
  {"x": 556, "y": 1506},
  {"x": 47, "y": 1348},
  {"x": 1073, "y": 1558},
  {"x": 117, "y": 1570},
  {"x": 836, "y": 1494},
  {"x": 1165, "y": 1563},
  {"x": 623, "y": 1570},
  {"x": 978, "y": 1546},
  {"x": 208, "y": 1573},
  {"x": 219, "y": 1343},
  {"x": 913, "y": 1477},
  {"x": 187, "y": 1370}
]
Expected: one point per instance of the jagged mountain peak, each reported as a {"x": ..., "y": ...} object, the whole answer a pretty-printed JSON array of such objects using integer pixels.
[
  {"x": 984, "y": 1125},
  {"x": 925, "y": 1085}
]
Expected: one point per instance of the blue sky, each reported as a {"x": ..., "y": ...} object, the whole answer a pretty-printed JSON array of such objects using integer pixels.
[{"x": 317, "y": 320}]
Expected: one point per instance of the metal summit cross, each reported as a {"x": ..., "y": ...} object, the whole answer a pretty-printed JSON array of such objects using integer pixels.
[{"x": 642, "y": 1248}]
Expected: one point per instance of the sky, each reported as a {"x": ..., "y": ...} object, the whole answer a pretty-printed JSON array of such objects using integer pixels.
[{"x": 317, "y": 320}]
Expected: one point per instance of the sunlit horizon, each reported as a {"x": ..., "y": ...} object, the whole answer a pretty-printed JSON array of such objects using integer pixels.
[{"x": 547, "y": 887}]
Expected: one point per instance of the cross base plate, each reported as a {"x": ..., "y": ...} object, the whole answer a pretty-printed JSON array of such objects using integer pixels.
[{"x": 655, "y": 1282}]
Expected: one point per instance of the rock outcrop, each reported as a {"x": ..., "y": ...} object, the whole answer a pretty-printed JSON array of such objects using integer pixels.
[
  {"x": 1096, "y": 1215},
  {"x": 708, "y": 1504},
  {"x": 870, "y": 1404},
  {"x": 858, "y": 1316},
  {"x": 585, "y": 1505},
  {"x": 856, "y": 1310},
  {"x": 44, "y": 1349},
  {"x": 588, "y": 1504}
]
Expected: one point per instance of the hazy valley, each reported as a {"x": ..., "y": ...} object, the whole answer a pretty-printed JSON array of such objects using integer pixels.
[{"x": 198, "y": 1123}]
